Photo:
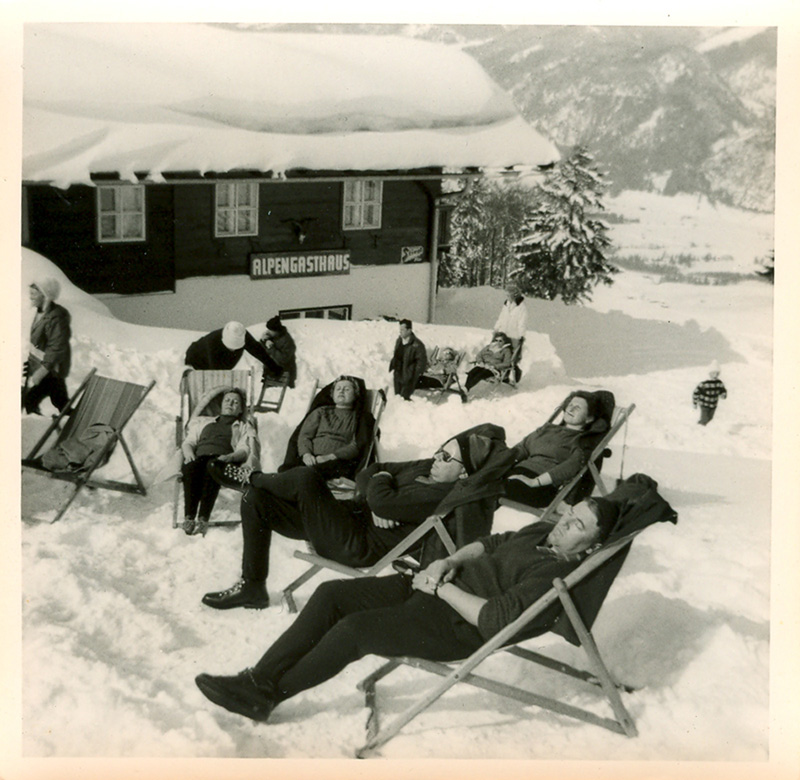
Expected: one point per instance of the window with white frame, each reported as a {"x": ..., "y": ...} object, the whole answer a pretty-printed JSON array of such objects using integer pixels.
[
  {"x": 343, "y": 312},
  {"x": 362, "y": 204},
  {"x": 236, "y": 209},
  {"x": 120, "y": 212}
]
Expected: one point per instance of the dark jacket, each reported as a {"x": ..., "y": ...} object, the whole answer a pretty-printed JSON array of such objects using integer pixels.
[
  {"x": 365, "y": 430},
  {"x": 50, "y": 334},
  {"x": 408, "y": 363},
  {"x": 516, "y": 570},
  {"x": 283, "y": 352},
  {"x": 209, "y": 353}
]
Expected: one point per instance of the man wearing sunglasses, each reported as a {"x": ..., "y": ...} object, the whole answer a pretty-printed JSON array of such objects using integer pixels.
[{"x": 391, "y": 499}]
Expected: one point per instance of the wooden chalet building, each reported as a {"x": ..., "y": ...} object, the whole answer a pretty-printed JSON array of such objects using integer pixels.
[{"x": 300, "y": 174}]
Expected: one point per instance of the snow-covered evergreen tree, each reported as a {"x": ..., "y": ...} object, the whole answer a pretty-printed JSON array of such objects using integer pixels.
[{"x": 564, "y": 246}]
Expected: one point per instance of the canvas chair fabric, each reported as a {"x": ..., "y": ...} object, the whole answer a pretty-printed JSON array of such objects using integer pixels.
[
  {"x": 580, "y": 594},
  {"x": 100, "y": 404}
]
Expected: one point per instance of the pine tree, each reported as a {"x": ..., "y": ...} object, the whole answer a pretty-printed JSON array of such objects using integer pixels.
[{"x": 563, "y": 248}]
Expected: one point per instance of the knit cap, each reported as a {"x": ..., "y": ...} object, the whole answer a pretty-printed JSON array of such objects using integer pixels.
[
  {"x": 475, "y": 451},
  {"x": 49, "y": 287},
  {"x": 274, "y": 324},
  {"x": 233, "y": 335},
  {"x": 714, "y": 367},
  {"x": 608, "y": 512}
]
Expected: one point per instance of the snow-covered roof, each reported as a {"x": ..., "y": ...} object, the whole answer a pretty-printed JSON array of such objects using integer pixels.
[{"x": 194, "y": 97}]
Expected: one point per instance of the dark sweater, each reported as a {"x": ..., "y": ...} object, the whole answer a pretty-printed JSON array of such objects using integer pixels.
[
  {"x": 404, "y": 494},
  {"x": 514, "y": 572},
  {"x": 560, "y": 451}
]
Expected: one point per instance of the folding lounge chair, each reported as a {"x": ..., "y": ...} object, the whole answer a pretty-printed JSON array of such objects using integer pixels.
[
  {"x": 584, "y": 482},
  {"x": 99, "y": 400},
  {"x": 446, "y": 374},
  {"x": 201, "y": 393},
  {"x": 581, "y": 594},
  {"x": 273, "y": 391}
]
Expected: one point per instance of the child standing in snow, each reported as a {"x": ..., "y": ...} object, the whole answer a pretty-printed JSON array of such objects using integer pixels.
[{"x": 707, "y": 394}]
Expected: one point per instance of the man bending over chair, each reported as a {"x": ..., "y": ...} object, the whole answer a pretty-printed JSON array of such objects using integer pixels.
[
  {"x": 396, "y": 498},
  {"x": 443, "y": 613}
]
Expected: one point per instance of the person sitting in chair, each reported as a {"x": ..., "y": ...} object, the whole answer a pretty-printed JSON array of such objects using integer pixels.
[
  {"x": 554, "y": 453},
  {"x": 391, "y": 500},
  {"x": 443, "y": 613},
  {"x": 329, "y": 438},
  {"x": 491, "y": 361},
  {"x": 227, "y": 438}
]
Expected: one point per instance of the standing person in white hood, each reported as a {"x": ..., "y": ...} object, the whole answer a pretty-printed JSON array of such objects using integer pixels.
[
  {"x": 50, "y": 355},
  {"x": 513, "y": 319}
]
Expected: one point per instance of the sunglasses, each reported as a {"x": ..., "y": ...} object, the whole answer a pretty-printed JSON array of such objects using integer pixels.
[{"x": 446, "y": 456}]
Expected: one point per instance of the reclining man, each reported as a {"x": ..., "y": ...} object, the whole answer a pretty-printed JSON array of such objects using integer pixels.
[
  {"x": 444, "y": 613},
  {"x": 391, "y": 499}
]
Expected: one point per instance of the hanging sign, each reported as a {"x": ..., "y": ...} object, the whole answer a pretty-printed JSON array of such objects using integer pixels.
[{"x": 288, "y": 265}]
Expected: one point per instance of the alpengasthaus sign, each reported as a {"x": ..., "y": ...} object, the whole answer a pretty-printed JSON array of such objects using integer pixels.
[{"x": 288, "y": 265}]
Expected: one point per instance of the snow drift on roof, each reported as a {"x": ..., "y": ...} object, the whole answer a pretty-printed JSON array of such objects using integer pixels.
[{"x": 171, "y": 97}]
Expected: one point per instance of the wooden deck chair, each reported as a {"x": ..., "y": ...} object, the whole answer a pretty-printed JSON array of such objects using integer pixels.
[
  {"x": 206, "y": 388},
  {"x": 99, "y": 400},
  {"x": 580, "y": 595},
  {"x": 440, "y": 378},
  {"x": 588, "y": 478},
  {"x": 273, "y": 391}
]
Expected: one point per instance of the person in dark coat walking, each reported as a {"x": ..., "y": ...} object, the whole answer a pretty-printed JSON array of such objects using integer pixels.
[
  {"x": 50, "y": 355},
  {"x": 222, "y": 349},
  {"x": 408, "y": 362},
  {"x": 707, "y": 394},
  {"x": 280, "y": 347}
]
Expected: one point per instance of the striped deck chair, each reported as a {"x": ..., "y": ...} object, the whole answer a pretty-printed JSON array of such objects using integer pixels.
[
  {"x": 100, "y": 401},
  {"x": 588, "y": 478},
  {"x": 580, "y": 595},
  {"x": 201, "y": 393}
]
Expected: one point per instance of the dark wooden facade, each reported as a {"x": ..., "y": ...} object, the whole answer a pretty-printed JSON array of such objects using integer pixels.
[{"x": 180, "y": 241}]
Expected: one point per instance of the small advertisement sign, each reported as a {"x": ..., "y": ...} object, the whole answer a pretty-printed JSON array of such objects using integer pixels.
[{"x": 412, "y": 254}]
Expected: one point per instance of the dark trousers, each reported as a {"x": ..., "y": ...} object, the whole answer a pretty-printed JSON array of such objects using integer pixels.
[
  {"x": 200, "y": 490},
  {"x": 524, "y": 494},
  {"x": 51, "y": 387},
  {"x": 706, "y": 414},
  {"x": 298, "y": 504},
  {"x": 477, "y": 374},
  {"x": 348, "y": 619}
]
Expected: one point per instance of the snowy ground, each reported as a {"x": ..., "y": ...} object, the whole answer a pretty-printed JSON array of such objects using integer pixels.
[{"x": 114, "y": 631}]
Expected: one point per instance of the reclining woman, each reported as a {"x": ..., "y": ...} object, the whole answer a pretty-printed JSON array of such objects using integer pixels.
[
  {"x": 443, "y": 613},
  {"x": 336, "y": 433},
  {"x": 494, "y": 358},
  {"x": 210, "y": 443},
  {"x": 554, "y": 453}
]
